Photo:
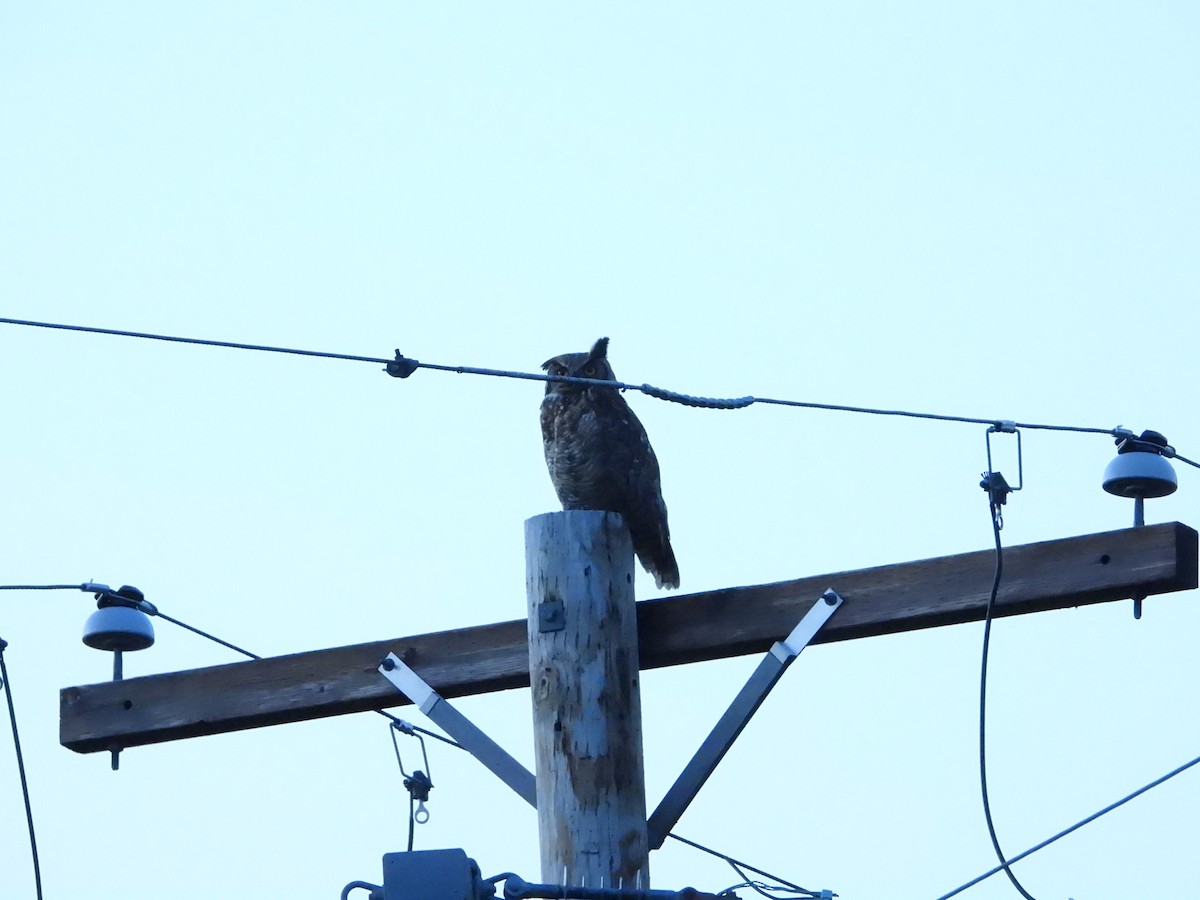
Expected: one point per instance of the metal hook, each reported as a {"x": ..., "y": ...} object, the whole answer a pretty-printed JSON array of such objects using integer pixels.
[
  {"x": 421, "y": 816},
  {"x": 1005, "y": 428},
  {"x": 994, "y": 482}
]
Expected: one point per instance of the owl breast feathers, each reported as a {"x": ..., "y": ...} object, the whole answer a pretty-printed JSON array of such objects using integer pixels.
[{"x": 599, "y": 457}]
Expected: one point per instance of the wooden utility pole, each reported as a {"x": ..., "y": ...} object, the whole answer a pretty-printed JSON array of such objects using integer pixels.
[
  {"x": 587, "y": 716},
  {"x": 949, "y": 590}
]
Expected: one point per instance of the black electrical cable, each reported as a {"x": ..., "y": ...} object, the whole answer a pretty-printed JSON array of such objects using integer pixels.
[
  {"x": 412, "y": 820},
  {"x": 737, "y": 865},
  {"x": 205, "y": 634},
  {"x": 1085, "y": 821},
  {"x": 410, "y": 729},
  {"x": 360, "y": 886},
  {"x": 40, "y": 587},
  {"x": 1184, "y": 459},
  {"x": 759, "y": 887},
  {"x": 987, "y": 633},
  {"x": 6, "y": 686},
  {"x": 186, "y": 340},
  {"x": 402, "y": 366}
]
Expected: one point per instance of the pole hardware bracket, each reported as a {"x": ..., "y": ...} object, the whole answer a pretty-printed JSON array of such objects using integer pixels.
[
  {"x": 737, "y": 716},
  {"x": 552, "y": 615},
  {"x": 454, "y": 723}
]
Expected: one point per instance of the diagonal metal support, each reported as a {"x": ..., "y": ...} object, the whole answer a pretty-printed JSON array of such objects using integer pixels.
[
  {"x": 736, "y": 717},
  {"x": 459, "y": 727}
]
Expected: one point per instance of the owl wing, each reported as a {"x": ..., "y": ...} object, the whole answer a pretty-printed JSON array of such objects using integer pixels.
[
  {"x": 599, "y": 457},
  {"x": 636, "y": 484}
]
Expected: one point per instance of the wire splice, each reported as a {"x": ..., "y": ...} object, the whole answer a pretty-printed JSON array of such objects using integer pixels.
[{"x": 700, "y": 402}]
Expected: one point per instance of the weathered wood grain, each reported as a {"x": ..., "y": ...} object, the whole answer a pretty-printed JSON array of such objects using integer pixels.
[{"x": 587, "y": 709}]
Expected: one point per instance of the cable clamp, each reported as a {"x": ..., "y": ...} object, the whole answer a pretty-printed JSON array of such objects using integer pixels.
[
  {"x": 993, "y": 482},
  {"x": 1146, "y": 442},
  {"x": 404, "y": 727},
  {"x": 997, "y": 487},
  {"x": 418, "y": 786},
  {"x": 401, "y": 366},
  {"x": 126, "y": 595}
]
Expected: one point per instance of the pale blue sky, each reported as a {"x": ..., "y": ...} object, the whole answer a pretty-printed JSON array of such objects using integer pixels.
[{"x": 962, "y": 208}]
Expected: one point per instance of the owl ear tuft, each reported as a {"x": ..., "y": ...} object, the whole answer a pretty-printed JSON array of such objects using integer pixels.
[{"x": 599, "y": 349}]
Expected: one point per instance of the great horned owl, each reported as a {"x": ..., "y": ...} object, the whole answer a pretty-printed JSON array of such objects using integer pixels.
[{"x": 599, "y": 457}]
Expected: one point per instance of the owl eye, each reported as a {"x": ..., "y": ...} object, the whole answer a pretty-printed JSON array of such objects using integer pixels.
[{"x": 589, "y": 371}]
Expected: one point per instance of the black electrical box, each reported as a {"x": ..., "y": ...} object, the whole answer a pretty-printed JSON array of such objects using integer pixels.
[{"x": 431, "y": 875}]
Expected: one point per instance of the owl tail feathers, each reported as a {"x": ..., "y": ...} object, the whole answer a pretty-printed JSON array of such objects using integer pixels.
[{"x": 660, "y": 562}]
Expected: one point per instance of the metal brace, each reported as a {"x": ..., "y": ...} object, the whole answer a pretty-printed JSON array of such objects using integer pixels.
[
  {"x": 473, "y": 740},
  {"x": 736, "y": 717}
]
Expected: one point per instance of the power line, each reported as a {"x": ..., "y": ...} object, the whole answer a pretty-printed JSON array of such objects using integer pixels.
[
  {"x": 781, "y": 884},
  {"x": 1184, "y": 459},
  {"x": 203, "y": 634},
  {"x": 6, "y": 686},
  {"x": 983, "y": 670},
  {"x": 42, "y": 587},
  {"x": 188, "y": 340},
  {"x": 401, "y": 366},
  {"x": 1062, "y": 834}
]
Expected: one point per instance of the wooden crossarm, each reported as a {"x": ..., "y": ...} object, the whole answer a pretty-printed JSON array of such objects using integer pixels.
[{"x": 672, "y": 630}]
